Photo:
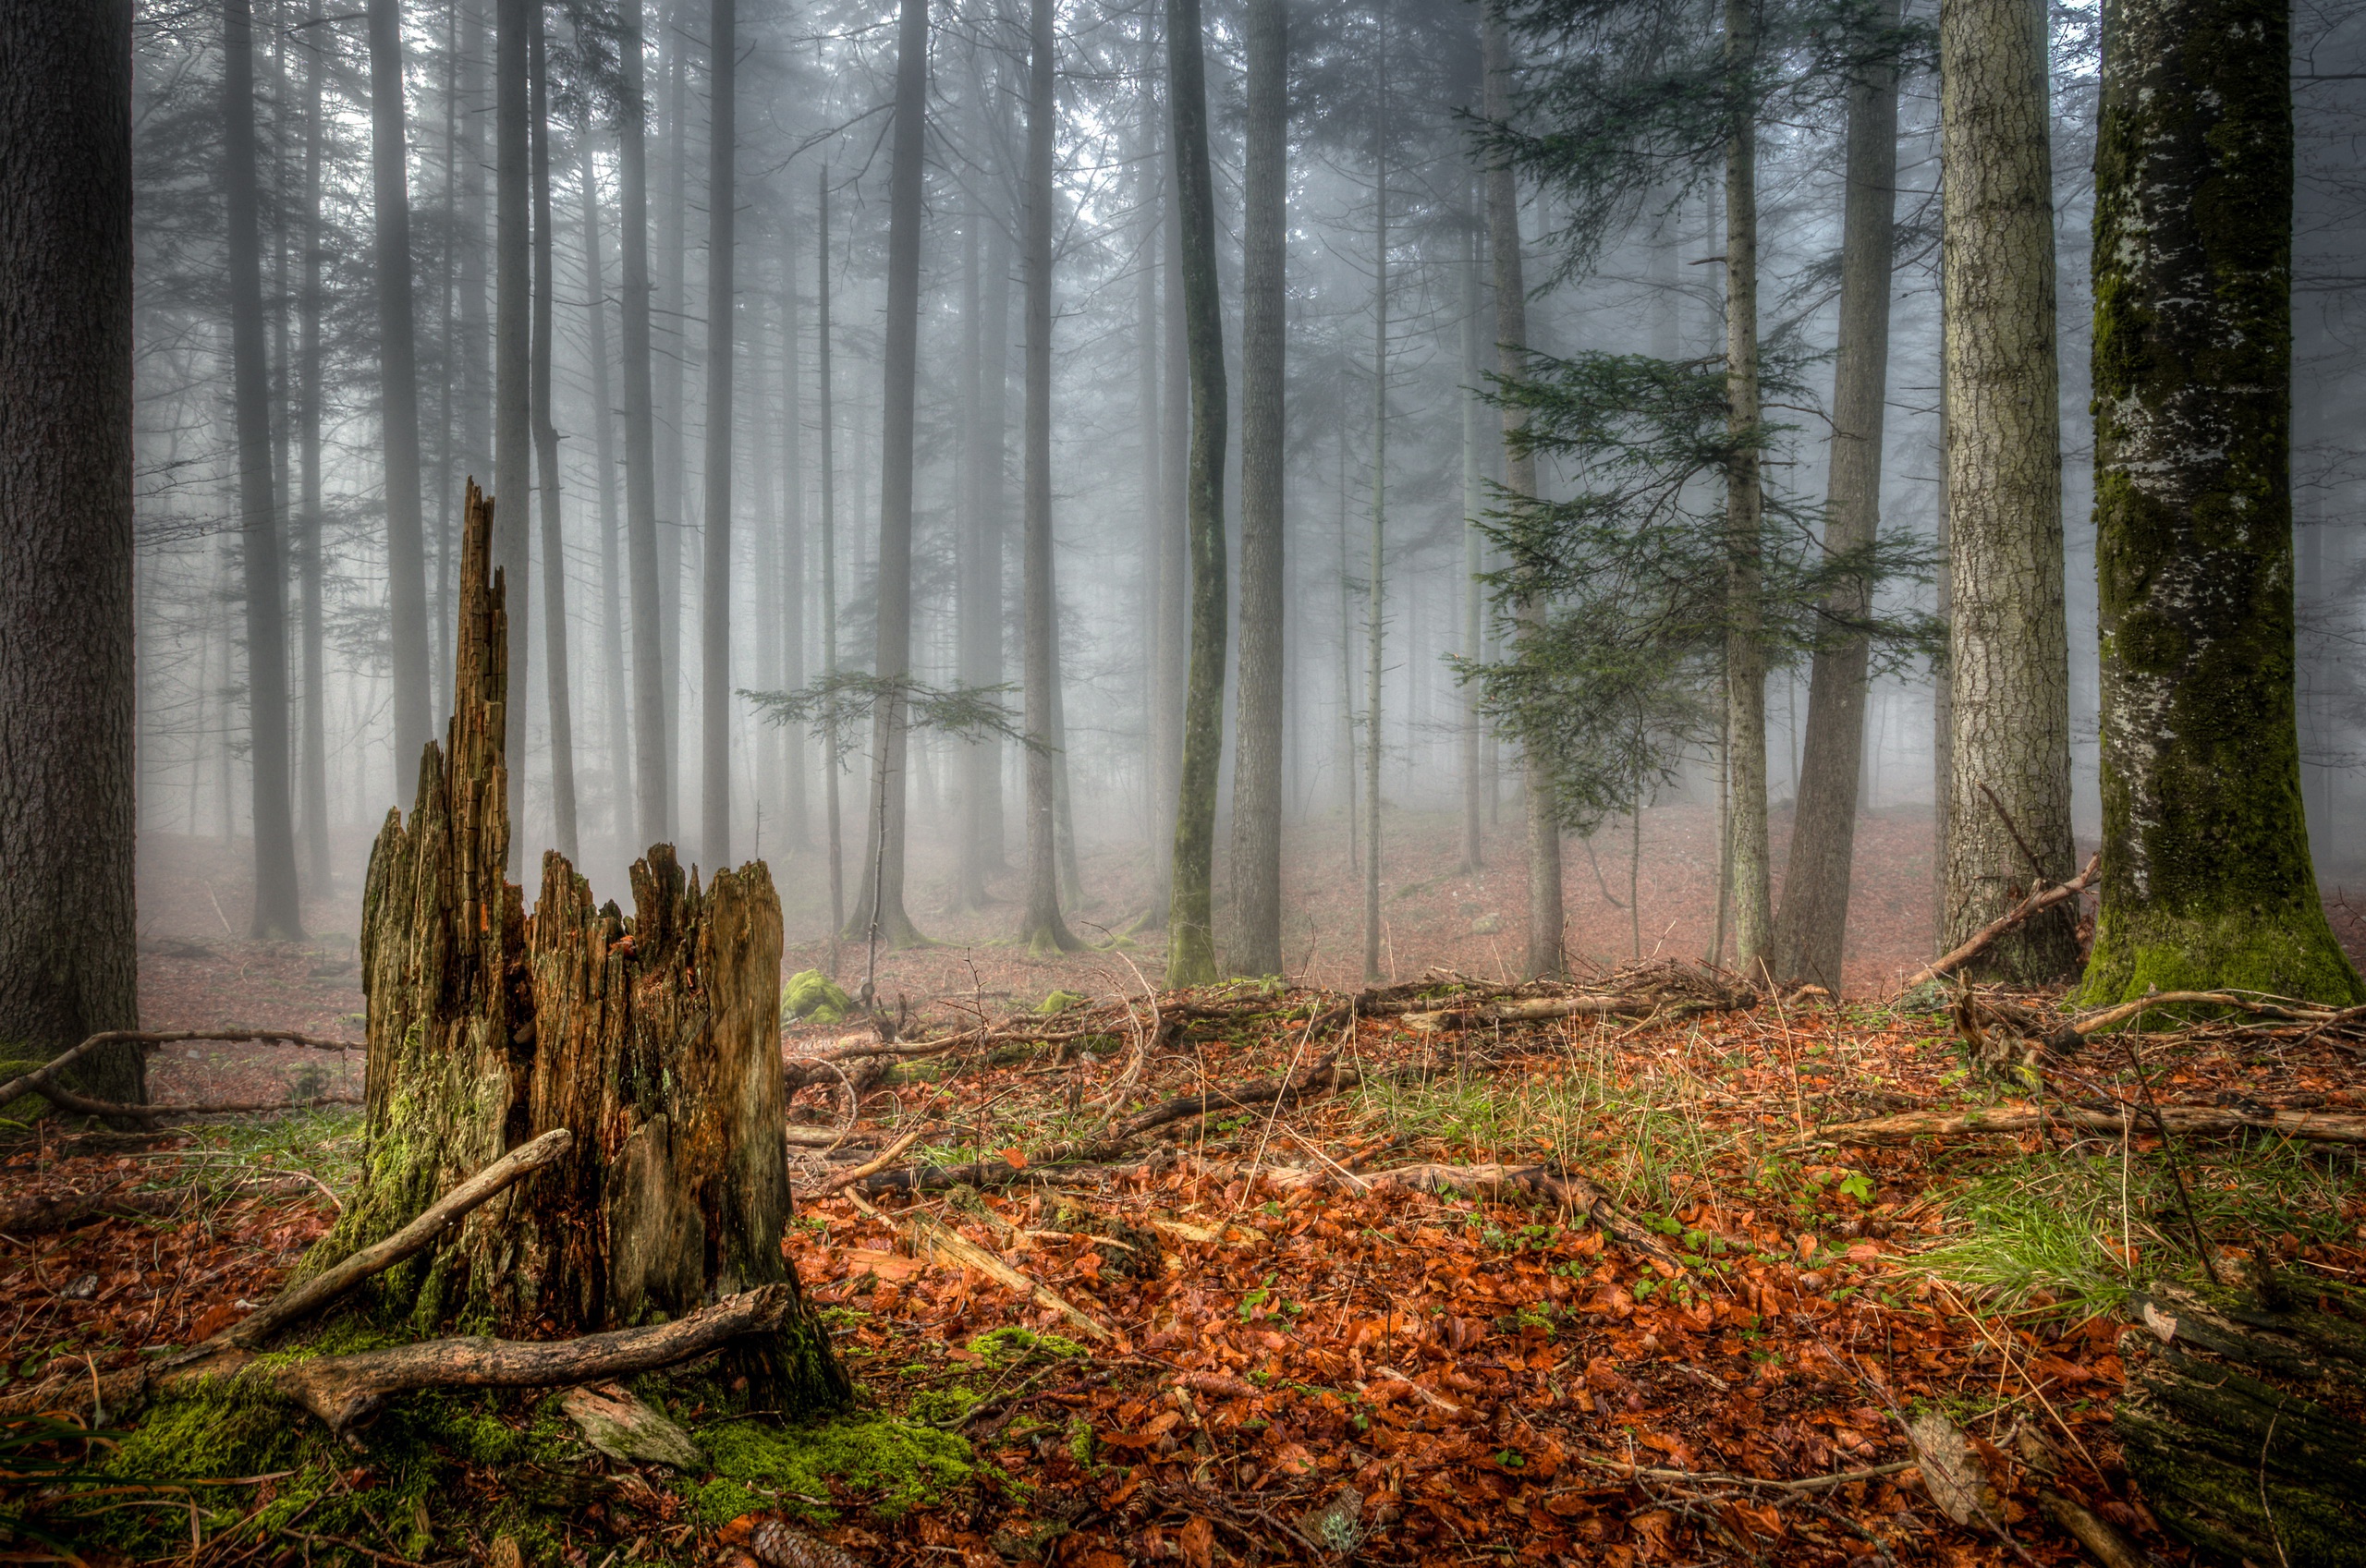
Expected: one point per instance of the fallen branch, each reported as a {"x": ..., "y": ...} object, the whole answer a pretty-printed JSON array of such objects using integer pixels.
[
  {"x": 34, "y": 1216},
  {"x": 38, "y": 1081},
  {"x": 1718, "y": 1478},
  {"x": 2288, "y": 1010},
  {"x": 932, "y": 1237},
  {"x": 312, "y": 1295},
  {"x": 873, "y": 1166},
  {"x": 2035, "y": 904},
  {"x": 2310, "y": 1126},
  {"x": 1537, "y": 1182},
  {"x": 1539, "y": 1009}
]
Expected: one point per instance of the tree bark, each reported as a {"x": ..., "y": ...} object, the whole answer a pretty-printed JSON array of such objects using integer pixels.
[
  {"x": 1475, "y": 506},
  {"x": 556, "y": 683},
  {"x": 1543, "y": 956},
  {"x": 1375, "y": 569},
  {"x": 1264, "y": 588},
  {"x": 832, "y": 764},
  {"x": 652, "y": 1039},
  {"x": 514, "y": 23},
  {"x": 714, "y": 643},
  {"x": 277, "y": 913},
  {"x": 1042, "y": 928},
  {"x": 398, "y": 387},
  {"x": 880, "y": 901},
  {"x": 1192, "y": 958},
  {"x": 613, "y": 551},
  {"x": 2008, "y": 642},
  {"x": 69, "y": 815},
  {"x": 1745, "y": 505},
  {"x": 313, "y": 759},
  {"x": 2207, "y": 881},
  {"x": 978, "y": 619},
  {"x": 653, "y": 777},
  {"x": 1811, "y": 931},
  {"x": 792, "y": 526}
]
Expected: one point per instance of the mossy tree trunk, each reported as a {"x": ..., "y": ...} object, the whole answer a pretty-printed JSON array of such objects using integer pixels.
[
  {"x": 651, "y": 1039},
  {"x": 2206, "y": 876}
]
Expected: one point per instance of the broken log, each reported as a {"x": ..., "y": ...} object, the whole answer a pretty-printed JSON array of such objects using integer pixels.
[
  {"x": 2310, "y": 1126},
  {"x": 2037, "y": 903}
]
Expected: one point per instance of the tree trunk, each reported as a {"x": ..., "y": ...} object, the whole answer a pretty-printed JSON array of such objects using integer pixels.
[
  {"x": 1264, "y": 588},
  {"x": 68, "y": 816},
  {"x": 613, "y": 553},
  {"x": 995, "y": 373},
  {"x": 832, "y": 763},
  {"x": 1192, "y": 957},
  {"x": 277, "y": 914},
  {"x": 514, "y": 23},
  {"x": 2008, "y": 643},
  {"x": 1174, "y": 616},
  {"x": 880, "y": 908},
  {"x": 714, "y": 643},
  {"x": 473, "y": 344},
  {"x": 1042, "y": 928},
  {"x": 792, "y": 541},
  {"x": 1152, "y": 430},
  {"x": 978, "y": 619},
  {"x": 672, "y": 358},
  {"x": 1375, "y": 570},
  {"x": 398, "y": 389},
  {"x": 546, "y": 462},
  {"x": 1475, "y": 506},
  {"x": 1810, "y": 932},
  {"x": 2207, "y": 881},
  {"x": 651, "y": 1039},
  {"x": 312, "y": 760},
  {"x": 1745, "y": 503},
  {"x": 653, "y": 777},
  {"x": 1543, "y": 956}
]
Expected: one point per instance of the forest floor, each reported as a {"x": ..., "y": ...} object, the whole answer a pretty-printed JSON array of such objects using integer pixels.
[{"x": 1618, "y": 1289}]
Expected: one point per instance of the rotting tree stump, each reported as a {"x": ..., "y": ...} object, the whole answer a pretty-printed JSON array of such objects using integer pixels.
[
  {"x": 652, "y": 1039},
  {"x": 2240, "y": 1423}
]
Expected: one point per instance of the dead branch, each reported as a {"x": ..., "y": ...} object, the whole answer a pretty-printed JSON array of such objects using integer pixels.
[
  {"x": 312, "y": 1295},
  {"x": 2281, "y": 1009},
  {"x": 64, "y": 1211},
  {"x": 1541, "y": 1008},
  {"x": 38, "y": 1080},
  {"x": 2035, "y": 904},
  {"x": 1535, "y": 1182},
  {"x": 870, "y": 1167},
  {"x": 2310, "y": 1126}
]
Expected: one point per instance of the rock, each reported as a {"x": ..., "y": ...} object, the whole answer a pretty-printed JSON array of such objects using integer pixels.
[{"x": 623, "y": 1427}]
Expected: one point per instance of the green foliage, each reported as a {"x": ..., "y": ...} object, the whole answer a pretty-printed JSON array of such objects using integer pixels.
[
  {"x": 834, "y": 706},
  {"x": 1059, "y": 1002},
  {"x": 811, "y": 996},
  {"x": 759, "y": 1464},
  {"x": 1000, "y": 1348}
]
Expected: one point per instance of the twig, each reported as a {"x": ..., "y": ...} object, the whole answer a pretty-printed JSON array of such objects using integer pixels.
[
  {"x": 2037, "y": 903},
  {"x": 876, "y": 1163}
]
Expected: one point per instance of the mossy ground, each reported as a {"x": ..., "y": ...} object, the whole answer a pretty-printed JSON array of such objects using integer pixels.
[{"x": 2138, "y": 953}]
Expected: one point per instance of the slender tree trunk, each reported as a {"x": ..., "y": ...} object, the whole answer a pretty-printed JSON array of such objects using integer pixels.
[
  {"x": 445, "y": 412},
  {"x": 1257, "y": 759},
  {"x": 832, "y": 763},
  {"x": 672, "y": 358},
  {"x": 1811, "y": 929},
  {"x": 545, "y": 432},
  {"x": 2008, "y": 642},
  {"x": 1745, "y": 501},
  {"x": 1192, "y": 958},
  {"x": 1042, "y": 928},
  {"x": 1375, "y": 571},
  {"x": 1147, "y": 327},
  {"x": 1174, "y": 555},
  {"x": 1543, "y": 956},
  {"x": 68, "y": 689},
  {"x": 651, "y": 777},
  {"x": 276, "y": 911},
  {"x": 979, "y": 620},
  {"x": 792, "y": 524},
  {"x": 1474, "y": 505},
  {"x": 1346, "y": 651},
  {"x": 473, "y": 344},
  {"x": 514, "y": 23},
  {"x": 880, "y": 906},
  {"x": 995, "y": 413},
  {"x": 398, "y": 389},
  {"x": 714, "y": 793},
  {"x": 612, "y": 551},
  {"x": 313, "y": 755},
  {"x": 2207, "y": 882},
  {"x": 1943, "y": 727}
]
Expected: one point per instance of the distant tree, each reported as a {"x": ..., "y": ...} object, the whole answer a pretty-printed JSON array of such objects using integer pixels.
[
  {"x": 312, "y": 752},
  {"x": 2009, "y": 662},
  {"x": 545, "y": 432},
  {"x": 1375, "y": 570},
  {"x": 2207, "y": 881},
  {"x": 514, "y": 22},
  {"x": 652, "y": 776},
  {"x": 398, "y": 392},
  {"x": 68, "y": 816},
  {"x": 1192, "y": 958},
  {"x": 723, "y": 135}
]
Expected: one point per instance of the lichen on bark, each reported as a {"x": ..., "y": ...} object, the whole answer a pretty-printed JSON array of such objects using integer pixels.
[{"x": 2206, "y": 874}]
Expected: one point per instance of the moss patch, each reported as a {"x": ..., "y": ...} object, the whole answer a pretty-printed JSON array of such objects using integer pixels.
[
  {"x": 2285, "y": 952},
  {"x": 27, "y": 1110},
  {"x": 760, "y": 1465},
  {"x": 812, "y": 997},
  {"x": 999, "y": 1348}
]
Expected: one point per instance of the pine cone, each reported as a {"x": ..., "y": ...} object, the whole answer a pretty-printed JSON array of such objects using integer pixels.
[{"x": 775, "y": 1545}]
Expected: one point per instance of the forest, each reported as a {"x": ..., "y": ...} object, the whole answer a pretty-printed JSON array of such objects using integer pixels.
[{"x": 793, "y": 783}]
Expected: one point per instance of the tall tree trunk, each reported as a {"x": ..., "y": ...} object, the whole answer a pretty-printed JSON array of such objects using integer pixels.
[
  {"x": 978, "y": 619},
  {"x": 1811, "y": 929},
  {"x": 448, "y": 358},
  {"x": 313, "y": 756},
  {"x": 1375, "y": 570},
  {"x": 68, "y": 810},
  {"x": 2207, "y": 882},
  {"x": 995, "y": 415},
  {"x": 472, "y": 346},
  {"x": 2008, "y": 642},
  {"x": 832, "y": 763},
  {"x": 1745, "y": 503},
  {"x": 1347, "y": 648},
  {"x": 880, "y": 908},
  {"x": 714, "y": 643},
  {"x": 1191, "y": 956},
  {"x": 1174, "y": 555},
  {"x": 603, "y": 448},
  {"x": 1543, "y": 956},
  {"x": 398, "y": 390},
  {"x": 276, "y": 912},
  {"x": 653, "y": 777},
  {"x": 1475, "y": 506},
  {"x": 792, "y": 541},
  {"x": 1042, "y": 928},
  {"x": 1264, "y": 589},
  {"x": 672, "y": 399},
  {"x": 1943, "y": 727},
  {"x": 546, "y": 463},
  {"x": 1147, "y": 327},
  {"x": 514, "y": 23}
]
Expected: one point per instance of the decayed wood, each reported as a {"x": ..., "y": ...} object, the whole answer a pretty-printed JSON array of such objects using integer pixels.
[
  {"x": 2289, "y": 1011},
  {"x": 1538, "y": 1009},
  {"x": 933, "y": 1238},
  {"x": 2035, "y": 904},
  {"x": 306, "y": 1297},
  {"x": 2311, "y": 1126}
]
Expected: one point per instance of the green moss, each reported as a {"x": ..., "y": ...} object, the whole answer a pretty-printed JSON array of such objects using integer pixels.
[
  {"x": 31, "y": 1108},
  {"x": 1059, "y": 1002},
  {"x": 999, "y": 1348},
  {"x": 757, "y": 1464},
  {"x": 2285, "y": 952},
  {"x": 812, "y": 997},
  {"x": 941, "y": 1408}
]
